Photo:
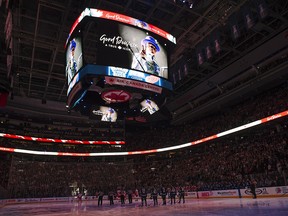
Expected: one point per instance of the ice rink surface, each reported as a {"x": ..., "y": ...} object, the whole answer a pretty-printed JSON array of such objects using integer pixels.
[{"x": 234, "y": 206}]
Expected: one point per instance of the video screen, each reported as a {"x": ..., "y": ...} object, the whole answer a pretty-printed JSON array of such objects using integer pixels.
[
  {"x": 108, "y": 114},
  {"x": 149, "y": 105},
  {"x": 123, "y": 46},
  {"x": 74, "y": 59}
]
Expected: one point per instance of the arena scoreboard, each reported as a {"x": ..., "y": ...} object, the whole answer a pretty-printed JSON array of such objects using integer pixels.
[{"x": 116, "y": 66}]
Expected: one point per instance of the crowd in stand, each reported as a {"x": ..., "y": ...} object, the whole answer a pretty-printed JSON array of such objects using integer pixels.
[
  {"x": 230, "y": 162},
  {"x": 226, "y": 164},
  {"x": 256, "y": 108},
  {"x": 4, "y": 170},
  {"x": 12, "y": 123},
  {"x": 264, "y": 105}
]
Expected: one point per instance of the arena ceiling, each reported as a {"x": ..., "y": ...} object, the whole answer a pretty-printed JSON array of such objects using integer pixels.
[{"x": 40, "y": 29}]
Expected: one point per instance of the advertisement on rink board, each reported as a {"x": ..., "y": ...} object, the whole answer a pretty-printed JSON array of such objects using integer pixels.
[
  {"x": 266, "y": 192},
  {"x": 279, "y": 191},
  {"x": 219, "y": 194},
  {"x": 2, "y": 202},
  {"x": 245, "y": 193},
  {"x": 191, "y": 194}
]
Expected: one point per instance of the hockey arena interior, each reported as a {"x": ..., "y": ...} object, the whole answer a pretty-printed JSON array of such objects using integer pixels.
[{"x": 143, "y": 107}]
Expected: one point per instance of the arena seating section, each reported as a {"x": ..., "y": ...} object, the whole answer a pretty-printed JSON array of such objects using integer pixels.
[{"x": 260, "y": 153}]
